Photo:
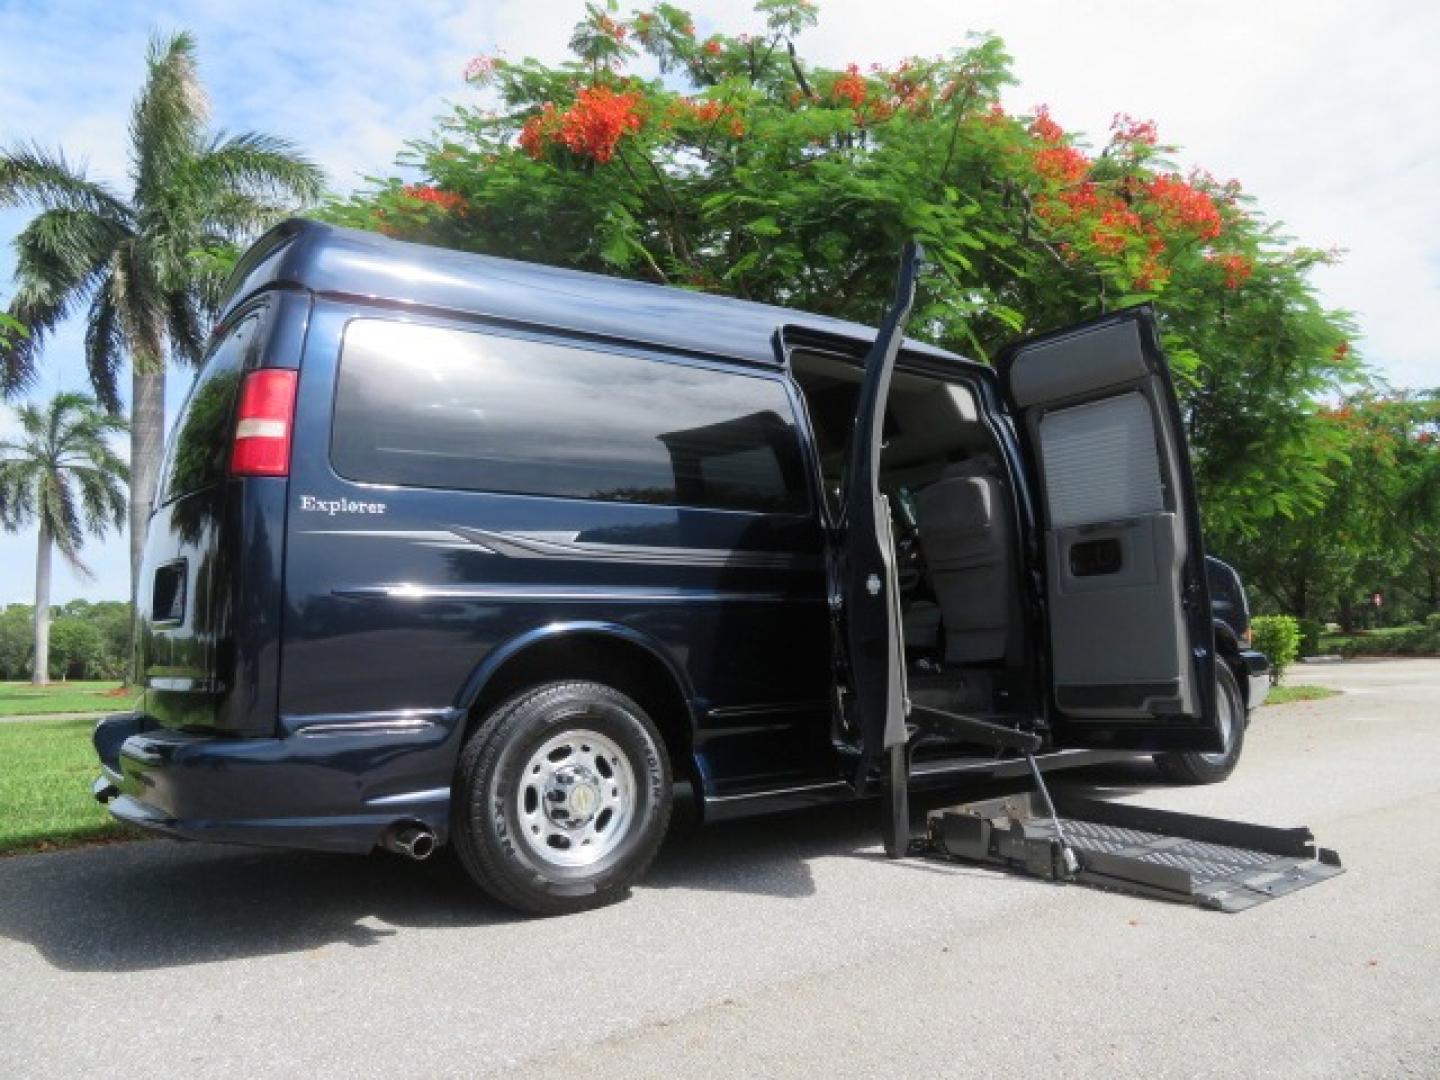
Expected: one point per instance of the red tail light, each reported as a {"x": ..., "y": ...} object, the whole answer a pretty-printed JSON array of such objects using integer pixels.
[{"x": 263, "y": 424}]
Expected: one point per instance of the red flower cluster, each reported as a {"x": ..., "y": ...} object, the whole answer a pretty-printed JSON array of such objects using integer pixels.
[
  {"x": 611, "y": 29},
  {"x": 850, "y": 87},
  {"x": 594, "y": 124},
  {"x": 1129, "y": 130},
  {"x": 1341, "y": 351},
  {"x": 1046, "y": 129},
  {"x": 481, "y": 67},
  {"x": 1082, "y": 198},
  {"x": 713, "y": 47},
  {"x": 592, "y": 127},
  {"x": 448, "y": 201},
  {"x": 1115, "y": 229},
  {"x": 708, "y": 113},
  {"x": 1062, "y": 164},
  {"x": 1186, "y": 206},
  {"x": 540, "y": 129},
  {"x": 1237, "y": 269}
]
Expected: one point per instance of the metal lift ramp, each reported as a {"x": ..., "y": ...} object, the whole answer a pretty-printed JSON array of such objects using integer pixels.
[
  {"x": 1209, "y": 862},
  {"x": 1212, "y": 863}
]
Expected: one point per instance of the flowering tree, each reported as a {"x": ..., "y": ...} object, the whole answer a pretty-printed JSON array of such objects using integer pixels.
[{"x": 745, "y": 170}]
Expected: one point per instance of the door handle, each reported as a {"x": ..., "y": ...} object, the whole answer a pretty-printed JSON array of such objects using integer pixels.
[{"x": 1093, "y": 558}]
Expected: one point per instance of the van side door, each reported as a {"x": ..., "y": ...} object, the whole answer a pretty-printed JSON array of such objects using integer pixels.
[
  {"x": 869, "y": 588},
  {"x": 1131, "y": 645}
]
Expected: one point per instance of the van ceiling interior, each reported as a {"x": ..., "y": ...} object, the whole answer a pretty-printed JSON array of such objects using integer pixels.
[{"x": 927, "y": 421}]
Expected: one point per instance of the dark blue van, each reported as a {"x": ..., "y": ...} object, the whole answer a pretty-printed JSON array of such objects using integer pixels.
[{"x": 455, "y": 550}]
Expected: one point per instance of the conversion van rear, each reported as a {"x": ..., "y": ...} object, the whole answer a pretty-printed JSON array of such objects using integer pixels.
[{"x": 451, "y": 550}]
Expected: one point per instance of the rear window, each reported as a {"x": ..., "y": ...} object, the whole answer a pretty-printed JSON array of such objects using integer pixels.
[
  {"x": 425, "y": 406},
  {"x": 201, "y": 438}
]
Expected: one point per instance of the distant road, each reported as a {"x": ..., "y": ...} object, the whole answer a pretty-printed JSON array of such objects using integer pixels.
[{"x": 778, "y": 947}]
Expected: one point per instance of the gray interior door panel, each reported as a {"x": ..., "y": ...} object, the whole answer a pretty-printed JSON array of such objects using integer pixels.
[
  {"x": 1121, "y": 539},
  {"x": 1080, "y": 363}
]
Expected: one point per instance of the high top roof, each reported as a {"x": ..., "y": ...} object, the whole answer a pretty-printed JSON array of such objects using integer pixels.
[{"x": 350, "y": 263}]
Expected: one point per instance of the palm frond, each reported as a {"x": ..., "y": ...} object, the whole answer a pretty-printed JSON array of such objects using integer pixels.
[
  {"x": 31, "y": 175},
  {"x": 104, "y": 346},
  {"x": 41, "y": 306},
  {"x": 17, "y": 491},
  {"x": 186, "y": 328},
  {"x": 235, "y": 216},
  {"x": 255, "y": 164},
  {"x": 60, "y": 260},
  {"x": 61, "y": 518},
  {"x": 102, "y": 496},
  {"x": 168, "y": 120},
  {"x": 140, "y": 301}
]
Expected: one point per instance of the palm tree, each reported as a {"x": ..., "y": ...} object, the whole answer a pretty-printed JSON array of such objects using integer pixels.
[
  {"x": 60, "y": 469},
  {"x": 146, "y": 269}
]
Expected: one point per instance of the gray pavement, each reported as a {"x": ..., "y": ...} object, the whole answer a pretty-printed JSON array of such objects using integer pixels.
[{"x": 778, "y": 947}]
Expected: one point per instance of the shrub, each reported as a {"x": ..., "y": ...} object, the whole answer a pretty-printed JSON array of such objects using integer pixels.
[
  {"x": 1413, "y": 640},
  {"x": 1310, "y": 631},
  {"x": 1278, "y": 637}
]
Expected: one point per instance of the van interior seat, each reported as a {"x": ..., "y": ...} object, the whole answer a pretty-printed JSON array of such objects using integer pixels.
[{"x": 965, "y": 532}]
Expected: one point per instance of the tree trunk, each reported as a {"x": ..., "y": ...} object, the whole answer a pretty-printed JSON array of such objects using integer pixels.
[
  {"x": 41, "y": 675},
  {"x": 147, "y": 437}
]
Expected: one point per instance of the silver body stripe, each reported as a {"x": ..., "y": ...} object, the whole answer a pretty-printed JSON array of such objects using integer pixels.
[{"x": 566, "y": 545}]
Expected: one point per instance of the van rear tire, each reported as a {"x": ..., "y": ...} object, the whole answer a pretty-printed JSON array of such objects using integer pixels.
[
  {"x": 562, "y": 798},
  {"x": 1198, "y": 768}
]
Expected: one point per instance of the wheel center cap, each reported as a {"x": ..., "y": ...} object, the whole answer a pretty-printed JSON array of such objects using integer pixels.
[
  {"x": 583, "y": 800},
  {"x": 573, "y": 796}
]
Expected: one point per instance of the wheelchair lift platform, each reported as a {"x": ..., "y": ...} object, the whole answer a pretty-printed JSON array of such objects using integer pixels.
[{"x": 1209, "y": 862}]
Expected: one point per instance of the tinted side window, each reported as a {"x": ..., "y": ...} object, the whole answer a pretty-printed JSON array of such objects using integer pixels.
[
  {"x": 201, "y": 439},
  {"x": 426, "y": 406}
]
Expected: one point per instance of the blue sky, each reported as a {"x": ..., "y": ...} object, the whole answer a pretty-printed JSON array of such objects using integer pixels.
[{"x": 1326, "y": 112}]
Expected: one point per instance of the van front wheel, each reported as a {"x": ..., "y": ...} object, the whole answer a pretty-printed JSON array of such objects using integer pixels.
[
  {"x": 562, "y": 798},
  {"x": 1200, "y": 768}
]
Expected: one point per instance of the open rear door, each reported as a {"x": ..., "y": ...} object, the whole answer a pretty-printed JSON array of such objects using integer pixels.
[
  {"x": 868, "y": 579},
  {"x": 1131, "y": 649}
]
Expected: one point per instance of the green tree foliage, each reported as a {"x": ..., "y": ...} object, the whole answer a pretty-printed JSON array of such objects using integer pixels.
[
  {"x": 114, "y": 620},
  {"x": 17, "y": 641},
  {"x": 99, "y": 651},
  {"x": 11, "y": 330},
  {"x": 61, "y": 475},
  {"x": 145, "y": 266},
  {"x": 77, "y": 649},
  {"x": 744, "y": 169},
  {"x": 1376, "y": 527}
]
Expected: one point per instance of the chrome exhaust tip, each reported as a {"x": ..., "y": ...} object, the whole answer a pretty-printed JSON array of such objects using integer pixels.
[{"x": 415, "y": 842}]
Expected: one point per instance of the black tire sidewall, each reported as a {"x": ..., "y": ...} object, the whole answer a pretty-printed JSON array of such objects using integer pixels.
[
  {"x": 1193, "y": 768},
  {"x": 492, "y": 776}
]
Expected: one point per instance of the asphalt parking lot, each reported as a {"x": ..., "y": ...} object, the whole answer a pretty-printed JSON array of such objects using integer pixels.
[{"x": 777, "y": 947}]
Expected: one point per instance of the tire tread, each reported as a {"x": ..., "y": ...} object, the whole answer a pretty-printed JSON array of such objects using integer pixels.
[{"x": 480, "y": 759}]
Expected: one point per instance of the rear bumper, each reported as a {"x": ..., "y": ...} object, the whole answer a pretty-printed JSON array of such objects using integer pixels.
[
  {"x": 1256, "y": 666},
  {"x": 322, "y": 792}
]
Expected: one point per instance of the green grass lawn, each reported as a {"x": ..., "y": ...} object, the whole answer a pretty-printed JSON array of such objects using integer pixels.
[
  {"x": 46, "y": 767},
  {"x": 1283, "y": 695},
  {"x": 22, "y": 699}
]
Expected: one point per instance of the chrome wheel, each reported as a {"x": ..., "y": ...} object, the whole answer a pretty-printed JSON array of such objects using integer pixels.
[
  {"x": 575, "y": 801},
  {"x": 1227, "y": 712}
]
